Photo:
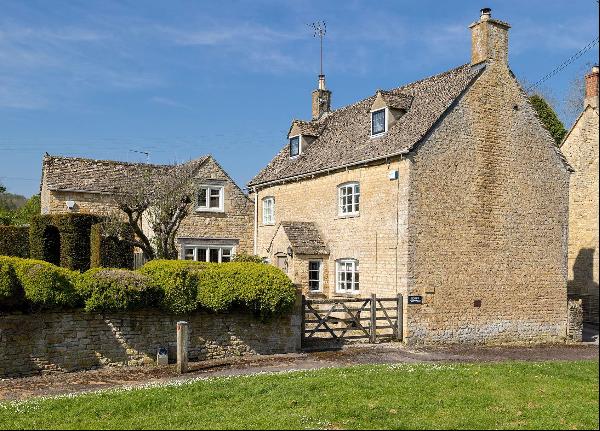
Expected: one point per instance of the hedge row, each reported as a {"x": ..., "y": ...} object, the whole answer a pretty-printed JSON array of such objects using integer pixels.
[
  {"x": 37, "y": 285},
  {"x": 14, "y": 241},
  {"x": 62, "y": 239},
  {"x": 177, "y": 287},
  {"x": 110, "y": 246}
]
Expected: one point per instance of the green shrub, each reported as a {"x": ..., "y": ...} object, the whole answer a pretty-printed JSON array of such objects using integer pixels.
[
  {"x": 244, "y": 257},
  {"x": 14, "y": 241},
  {"x": 178, "y": 280},
  {"x": 11, "y": 291},
  {"x": 109, "y": 289},
  {"x": 62, "y": 239},
  {"x": 110, "y": 246},
  {"x": 46, "y": 286},
  {"x": 263, "y": 289}
]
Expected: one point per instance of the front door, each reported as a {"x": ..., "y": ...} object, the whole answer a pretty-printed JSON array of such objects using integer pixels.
[{"x": 282, "y": 263}]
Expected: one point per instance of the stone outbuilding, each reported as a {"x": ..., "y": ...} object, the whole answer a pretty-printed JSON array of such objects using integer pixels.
[
  {"x": 580, "y": 147},
  {"x": 448, "y": 189},
  {"x": 218, "y": 227}
]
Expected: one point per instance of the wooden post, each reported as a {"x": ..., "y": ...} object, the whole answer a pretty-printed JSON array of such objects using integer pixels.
[
  {"x": 182, "y": 347},
  {"x": 399, "y": 317},
  {"x": 373, "y": 334},
  {"x": 303, "y": 324}
]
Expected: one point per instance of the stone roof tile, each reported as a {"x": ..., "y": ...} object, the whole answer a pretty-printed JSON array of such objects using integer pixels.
[
  {"x": 344, "y": 134},
  {"x": 304, "y": 238},
  {"x": 100, "y": 176}
]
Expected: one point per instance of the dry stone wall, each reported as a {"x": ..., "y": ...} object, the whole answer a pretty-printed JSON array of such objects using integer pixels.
[{"x": 69, "y": 341}]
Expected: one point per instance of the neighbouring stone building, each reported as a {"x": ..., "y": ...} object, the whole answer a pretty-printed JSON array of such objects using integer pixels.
[
  {"x": 219, "y": 226},
  {"x": 448, "y": 190},
  {"x": 580, "y": 147}
]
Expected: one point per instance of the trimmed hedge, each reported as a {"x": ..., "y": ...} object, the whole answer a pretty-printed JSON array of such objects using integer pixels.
[
  {"x": 178, "y": 280},
  {"x": 45, "y": 286},
  {"x": 44, "y": 239},
  {"x": 110, "y": 246},
  {"x": 263, "y": 289},
  {"x": 178, "y": 287},
  {"x": 244, "y": 257},
  {"x": 11, "y": 291},
  {"x": 62, "y": 239},
  {"x": 75, "y": 239},
  {"x": 108, "y": 289},
  {"x": 14, "y": 241}
]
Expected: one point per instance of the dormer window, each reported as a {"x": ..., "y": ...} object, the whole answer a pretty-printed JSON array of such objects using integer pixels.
[
  {"x": 378, "y": 122},
  {"x": 294, "y": 146}
]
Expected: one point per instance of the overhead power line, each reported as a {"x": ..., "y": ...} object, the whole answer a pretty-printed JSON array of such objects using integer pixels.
[{"x": 564, "y": 64}]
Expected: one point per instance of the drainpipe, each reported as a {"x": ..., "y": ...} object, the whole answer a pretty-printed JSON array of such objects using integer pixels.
[{"x": 255, "y": 220}]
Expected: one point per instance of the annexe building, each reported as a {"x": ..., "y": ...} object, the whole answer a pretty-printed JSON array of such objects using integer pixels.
[
  {"x": 580, "y": 147},
  {"x": 449, "y": 189},
  {"x": 219, "y": 226}
]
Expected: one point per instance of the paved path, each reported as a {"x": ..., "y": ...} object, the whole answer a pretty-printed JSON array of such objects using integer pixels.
[{"x": 60, "y": 383}]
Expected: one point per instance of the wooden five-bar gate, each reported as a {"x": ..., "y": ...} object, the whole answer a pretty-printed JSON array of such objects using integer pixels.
[{"x": 351, "y": 319}]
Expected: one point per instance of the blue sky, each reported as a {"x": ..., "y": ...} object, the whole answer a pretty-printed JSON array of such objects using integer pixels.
[{"x": 179, "y": 79}]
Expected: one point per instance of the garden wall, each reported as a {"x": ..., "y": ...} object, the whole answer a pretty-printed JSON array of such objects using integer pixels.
[{"x": 69, "y": 341}]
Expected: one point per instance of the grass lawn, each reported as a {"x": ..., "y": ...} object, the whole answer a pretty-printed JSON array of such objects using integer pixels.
[{"x": 547, "y": 395}]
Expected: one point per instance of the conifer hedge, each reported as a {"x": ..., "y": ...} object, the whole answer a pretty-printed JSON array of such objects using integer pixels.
[
  {"x": 14, "y": 241},
  {"x": 62, "y": 239},
  {"x": 111, "y": 246}
]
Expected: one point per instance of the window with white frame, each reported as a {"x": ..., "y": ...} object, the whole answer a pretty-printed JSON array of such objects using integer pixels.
[
  {"x": 268, "y": 210},
  {"x": 315, "y": 275},
  {"x": 294, "y": 146},
  {"x": 349, "y": 199},
  {"x": 378, "y": 122},
  {"x": 210, "y": 198},
  {"x": 347, "y": 278},
  {"x": 208, "y": 253}
]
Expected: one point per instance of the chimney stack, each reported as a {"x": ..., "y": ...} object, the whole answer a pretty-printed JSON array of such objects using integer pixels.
[
  {"x": 489, "y": 39},
  {"x": 321, "y": 99},
  {"x": 591, "y": 88}
]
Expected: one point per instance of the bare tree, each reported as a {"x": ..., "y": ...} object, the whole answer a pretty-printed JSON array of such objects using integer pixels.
[
  {"x": 159, "y": 197},
  {"x": 574, "y": 97}
]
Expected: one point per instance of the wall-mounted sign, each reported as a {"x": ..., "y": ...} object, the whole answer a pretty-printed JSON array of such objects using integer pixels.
[{"x": 415, "y": 299}]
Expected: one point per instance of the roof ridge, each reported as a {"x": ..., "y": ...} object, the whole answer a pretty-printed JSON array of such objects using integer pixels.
[
  {"x": 393, "y": 89},
  {"x": 119, "y": 162}
]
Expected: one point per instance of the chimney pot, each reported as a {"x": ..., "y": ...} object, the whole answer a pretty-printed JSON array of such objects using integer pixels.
[
  {"x": 486, "y": 13},
  {"x": 321, "y": 82}
]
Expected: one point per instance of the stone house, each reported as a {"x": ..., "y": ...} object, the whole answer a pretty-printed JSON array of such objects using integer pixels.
[
  {"x": 449, "y": 189},
  {"x": 580, "y": 147},
  {"x": 219, "y": 226}
]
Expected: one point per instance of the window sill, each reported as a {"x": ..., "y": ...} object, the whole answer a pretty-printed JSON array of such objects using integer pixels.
[
  {"x": 345, "y": 294},
  {"x": 343, "y": 216},
  {"x": 267, "y": 224},
  {"x": 209, "y": 210},
  {"x": 379, "y": 135}
]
